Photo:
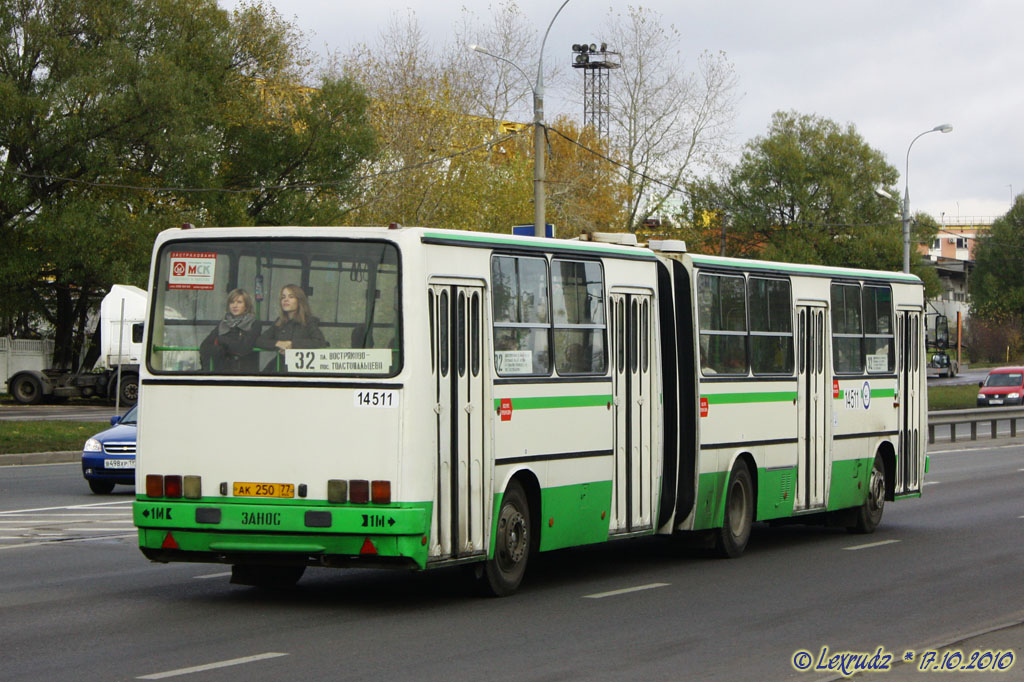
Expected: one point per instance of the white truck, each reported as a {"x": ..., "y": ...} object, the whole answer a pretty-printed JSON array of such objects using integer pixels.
[{"x": 116, "y": 372}]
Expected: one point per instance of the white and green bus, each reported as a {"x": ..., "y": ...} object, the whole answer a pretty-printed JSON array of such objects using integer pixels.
[{"x": 475, "y": 399}]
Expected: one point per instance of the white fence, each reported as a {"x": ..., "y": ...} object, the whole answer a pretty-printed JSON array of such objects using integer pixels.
[{"x": 19, "y": 354}]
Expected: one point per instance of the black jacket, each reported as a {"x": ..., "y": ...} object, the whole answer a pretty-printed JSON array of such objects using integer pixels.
[
  {"x": 301, "y": 335},
  {"x": 231, "y": 352}
]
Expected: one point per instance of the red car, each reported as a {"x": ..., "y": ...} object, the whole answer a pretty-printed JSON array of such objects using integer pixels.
[{"x": 1002, "y": 386}]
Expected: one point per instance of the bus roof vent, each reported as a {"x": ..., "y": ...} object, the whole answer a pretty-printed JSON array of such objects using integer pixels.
[
  {"x": 667, "y": 245},
  {"x": 620, "y": 238}
]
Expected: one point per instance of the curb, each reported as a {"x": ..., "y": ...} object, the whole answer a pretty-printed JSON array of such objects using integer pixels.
[{"x": 41, "y": 457}]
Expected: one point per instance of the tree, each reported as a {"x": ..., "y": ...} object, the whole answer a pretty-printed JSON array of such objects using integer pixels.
[
  {"x": 997, "y": 282},
  {"x": 666, "y": 123},
  {"x": 123, "y": 117},
  {"x": 805, "y": 192},
  {"x": 584, "y": 192}
]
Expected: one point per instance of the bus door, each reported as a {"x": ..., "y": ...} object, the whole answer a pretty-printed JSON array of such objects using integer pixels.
[
  {"x": 633, "y": 388},
  {"x": 456, "y": 324},
  {"x": 813, "y": 400},
  {"x": 908, "y": 473}
]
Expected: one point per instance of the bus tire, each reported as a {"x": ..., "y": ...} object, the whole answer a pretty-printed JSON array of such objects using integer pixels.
[
  {"x": 504, "y": 572},
  {"x": 27, "y": 390},
  {"x": 266, "y": 576},
  {"x": 731, "y": 538},
  {"x": 869, "y": 514}
]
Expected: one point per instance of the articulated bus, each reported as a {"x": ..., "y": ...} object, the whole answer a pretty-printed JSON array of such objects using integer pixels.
[{"x": 478, "y": 398}]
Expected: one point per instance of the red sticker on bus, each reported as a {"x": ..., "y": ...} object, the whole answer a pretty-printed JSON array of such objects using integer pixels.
[
  {"x": 835, "y": 388},
  {"x": 703, "y": 407},
  {"x": 506, "y": 409}
]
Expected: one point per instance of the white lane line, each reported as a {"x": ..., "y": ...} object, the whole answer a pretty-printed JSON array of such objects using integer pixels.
[
  {"x": 59, "y": 540},
  {"x": 212, "y": 575},
  {"x": 74, "y": 506},
  {"x": 982, "y": 447},
  {"x": 872, "y": 544},
  {"x": 932, "y": 482},
  {"x": 626, "y": 590},
  {"x": 114, "y": 514},
  {"x": 211, "y": 666}
]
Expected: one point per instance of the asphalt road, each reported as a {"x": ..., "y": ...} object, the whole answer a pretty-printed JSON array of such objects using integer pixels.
[{"x": 80, "y": 602}]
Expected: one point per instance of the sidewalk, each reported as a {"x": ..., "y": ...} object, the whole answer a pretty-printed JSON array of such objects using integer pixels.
[{"x": 41, "y": 458}]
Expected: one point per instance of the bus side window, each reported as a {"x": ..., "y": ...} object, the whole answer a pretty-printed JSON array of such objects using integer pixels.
[{"x": 721, "y": 315}]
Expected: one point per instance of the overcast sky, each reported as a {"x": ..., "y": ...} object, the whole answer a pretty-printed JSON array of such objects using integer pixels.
[{"x": 892, "y": 68}]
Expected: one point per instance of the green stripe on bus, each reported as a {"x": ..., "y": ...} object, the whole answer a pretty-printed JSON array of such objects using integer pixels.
[
  {"x": 749, "y": 397},
  {"x": 875, "y": 393},
  {"x": 798, "y": 268},
  {"x": 454, "y": 235},
  {"x": 550, "y": 402}
]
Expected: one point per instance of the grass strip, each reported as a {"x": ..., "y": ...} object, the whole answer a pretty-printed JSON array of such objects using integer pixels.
[{"x": 45, "y": 436}]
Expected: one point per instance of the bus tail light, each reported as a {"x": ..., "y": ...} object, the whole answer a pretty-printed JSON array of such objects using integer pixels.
[
  {"x": 381, "y": 492},
  {"x": 337, "y": 491},
  {"x": 172, "y": 486},
  {"x": 154, "y": 485},
  {"x": 193, "y": 487},
  {"x": 359, "y": 491}
]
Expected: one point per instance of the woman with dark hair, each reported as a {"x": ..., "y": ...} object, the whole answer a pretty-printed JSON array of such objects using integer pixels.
[
  {"x": 229, "y": 347},
  {"x": 296, "y": 327}
]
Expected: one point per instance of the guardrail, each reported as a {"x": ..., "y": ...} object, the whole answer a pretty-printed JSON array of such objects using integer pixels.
[{"x": 978, "y": 415}]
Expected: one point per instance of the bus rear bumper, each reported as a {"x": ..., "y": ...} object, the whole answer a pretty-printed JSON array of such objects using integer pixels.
[
  {"x": 253, "y": 551},
  {"x": 201, "y": 531}
]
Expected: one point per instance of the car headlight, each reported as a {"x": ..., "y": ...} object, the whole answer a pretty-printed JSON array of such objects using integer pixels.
[
  {"x": 93, "y": 445},
  {"x": 1013, "y": 395},
  {"x": 981, "y": 396}
]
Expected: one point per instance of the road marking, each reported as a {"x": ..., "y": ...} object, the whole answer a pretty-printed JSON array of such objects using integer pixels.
[
  {"x": 105, "y": 515},
  {"x": 62, "y": 539},
  {"x": 212, "y": 575},
  {"x": 626, "y": 590},
  {"x": 872, "y": 544},
  {"x": 932, "y": 482},
  {"x": 975, "y": 449},
  {"x": 73, "y": 506},
  {"x": 211, "y": 666}
]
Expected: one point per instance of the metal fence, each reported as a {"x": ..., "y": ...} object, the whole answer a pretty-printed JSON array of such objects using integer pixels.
[{"x": 964, "y": 423}]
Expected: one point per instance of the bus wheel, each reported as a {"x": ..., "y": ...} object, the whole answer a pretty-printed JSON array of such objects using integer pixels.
[
  {"x": 27, "y": 390},
  {"x": 739, "y": 513},
  {"x": 869, "y": 515},
  {"x": 504, "y": 572},
  {"x": 266, "y": 576}
]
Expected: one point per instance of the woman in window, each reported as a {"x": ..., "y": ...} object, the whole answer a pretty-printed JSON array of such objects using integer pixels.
[
  {"x": 229, "y": 346},
  {"x": 296, "y": 327}
]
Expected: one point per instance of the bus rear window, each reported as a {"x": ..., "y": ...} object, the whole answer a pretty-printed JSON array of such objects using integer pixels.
[{"x": 295, "y": 307}]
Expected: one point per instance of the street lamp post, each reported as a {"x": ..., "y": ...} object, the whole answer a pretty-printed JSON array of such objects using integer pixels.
[
  {"x": 944, "y": 128},
  {"x": 539, "y": 219}
]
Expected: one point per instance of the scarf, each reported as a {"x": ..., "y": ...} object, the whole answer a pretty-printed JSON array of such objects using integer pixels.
[{"x": 241, "y": 322}]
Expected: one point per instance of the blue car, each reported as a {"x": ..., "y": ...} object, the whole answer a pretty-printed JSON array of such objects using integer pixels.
[{"x": 108, "y": 458}]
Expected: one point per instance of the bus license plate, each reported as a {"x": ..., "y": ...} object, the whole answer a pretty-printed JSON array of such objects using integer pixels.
[
  {"x": 119, "y": 464},
  {"x": 263, "y": 490}
]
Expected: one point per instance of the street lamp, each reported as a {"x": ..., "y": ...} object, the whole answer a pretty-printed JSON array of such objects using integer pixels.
[
  {"x": 944, "y": 128},
  {"x": 539, "y": 220}
]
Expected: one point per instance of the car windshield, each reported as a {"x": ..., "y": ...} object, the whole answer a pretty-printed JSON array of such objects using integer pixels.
[
  {"x": 131, "y": 416},
  {"x": 1004, "y": 379}
]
